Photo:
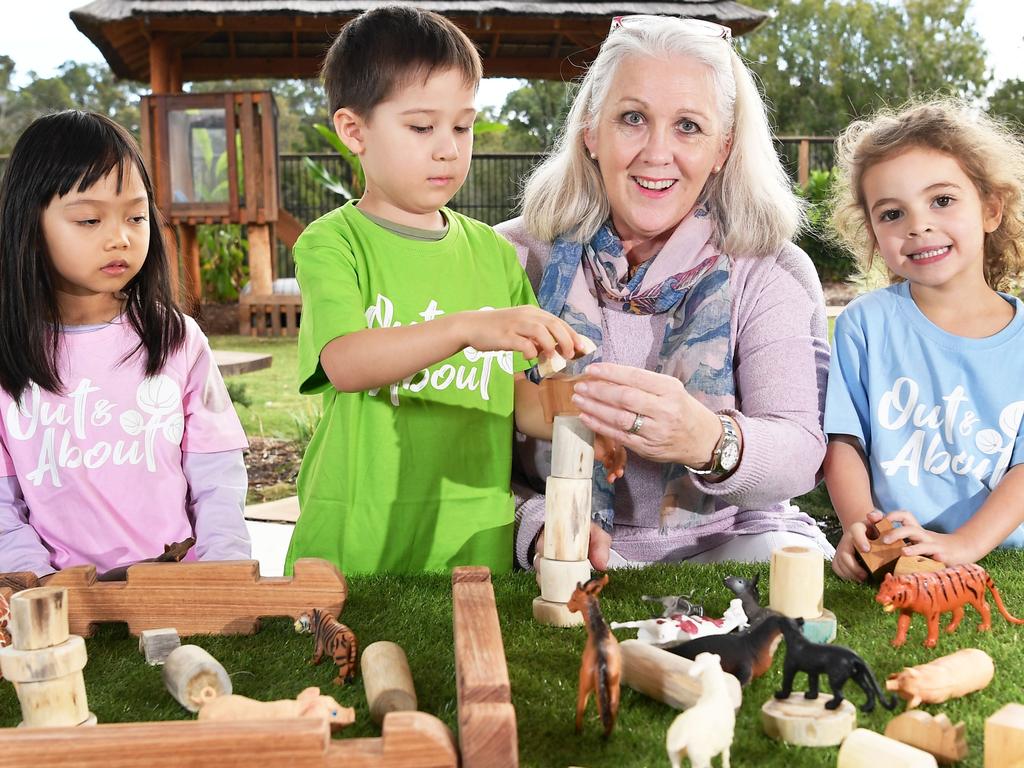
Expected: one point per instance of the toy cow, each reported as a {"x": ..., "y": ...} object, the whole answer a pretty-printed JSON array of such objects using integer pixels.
[
  {"x": 309, "y": 703},
  {"x": 945, "y": 678},
  {"x": 671, "y": 631}
]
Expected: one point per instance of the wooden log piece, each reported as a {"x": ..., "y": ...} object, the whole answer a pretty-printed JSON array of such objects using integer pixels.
[
  {"x": 387, "y": 680},
  {"x": 572, "y": 449},
  {"x": 934, "y": 734},
  {"x": 882, "y": 557},
  {"x": 797, "y": 582},
  {"x": 156, "y": 644},
  {"x": 556, "y": 396},
  {"x": 558, "y": 578},
  {"x": 555, "y": 614},
  {"x": 567, "y": 518},
  {"x": 918, "y": 564},
  {"x": 665, "y": 677},
  {"x": 555, "y": 362},
  {"x": 188, "y": 670},
  {"x": 806, "y": 722},
  {"x": 53, "y": 703},
  {"x": 1004, "y": 737},
  {"x": 45, "y": 663},
  {"x": 39, "y": 618},
  {"x": 867, "y": 749}
]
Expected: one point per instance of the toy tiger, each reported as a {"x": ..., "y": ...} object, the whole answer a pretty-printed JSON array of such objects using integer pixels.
[
  {"x": 934, "y": 593},
  {"x": 332, "y": 637}
]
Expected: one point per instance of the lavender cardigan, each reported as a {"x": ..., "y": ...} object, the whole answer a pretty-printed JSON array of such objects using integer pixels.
[{"x": 781, "y": 365}]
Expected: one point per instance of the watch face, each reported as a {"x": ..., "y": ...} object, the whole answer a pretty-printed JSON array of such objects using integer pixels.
[{"x": 730, "y": 456}]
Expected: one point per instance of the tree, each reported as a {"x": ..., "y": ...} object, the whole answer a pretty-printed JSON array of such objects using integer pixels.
[
  {"x": 1008, "y": 101},
  {"x": 825, "y": 62},
  {"x": 534, "y": 114}
]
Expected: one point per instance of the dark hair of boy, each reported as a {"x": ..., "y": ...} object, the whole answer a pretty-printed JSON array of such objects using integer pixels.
[
  {"x": 382, "y": 49},
  {"x": 57, "y": 153}
]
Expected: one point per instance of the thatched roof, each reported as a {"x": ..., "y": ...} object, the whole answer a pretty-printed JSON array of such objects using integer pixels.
[{"x": 220, "y": 39}]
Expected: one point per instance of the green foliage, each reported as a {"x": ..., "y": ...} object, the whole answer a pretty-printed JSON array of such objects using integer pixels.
[
  {"x": 1008, "y": 101},
  {"x": 306, "y": 421},
  {"x": 833, "y": 262},
  {"x": 237, "y": 392},
  {"x": 533, "y": 113},
  {"x": 825, "y": 62},
  {"x": 349, "y": 190},
  {"x": 223, "y": 261}
]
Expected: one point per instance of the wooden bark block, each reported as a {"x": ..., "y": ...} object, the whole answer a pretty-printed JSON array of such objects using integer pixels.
[
  {"x": 572, "y": 449},
  {"x": 555, "y": 614},
  {"x": 934, "y": 734},
  {"x": 39, "y": 618},
  {"x": 408, "y": 740},
  {"x": 387, "y": 680},
  {"x": 188, "y": 670},
  {"x": 567, "y": 518},
  {"x": 867, "y": 749},
  {"x": 882, "y": 557},
  {"x": 558, "y": 578},
  {"x": 487, "y": 719},
  {"x": 157, "y": 644},
  {"x": 806, "y": 722},
  {"x": 555, "y": 363},
  {"x": 797, "y": 582},
  {"x": 556, "y": 396},
  {"x": 1004, "y": 737},
  {"x": 213, "y": 598},
  {"x": 666, "y": 677}
]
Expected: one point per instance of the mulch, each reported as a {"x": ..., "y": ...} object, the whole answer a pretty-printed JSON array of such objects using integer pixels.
[{"x": 271, "y": 463}]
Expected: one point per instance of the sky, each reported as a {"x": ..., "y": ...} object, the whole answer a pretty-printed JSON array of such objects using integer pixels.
[{"x": 39, "y": 36}]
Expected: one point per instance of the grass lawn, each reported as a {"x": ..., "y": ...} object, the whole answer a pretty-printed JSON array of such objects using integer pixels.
[{"x": 543, "y": 664}]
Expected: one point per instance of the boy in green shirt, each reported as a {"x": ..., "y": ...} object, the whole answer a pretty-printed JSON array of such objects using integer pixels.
[{"x": 417, "y": 321}]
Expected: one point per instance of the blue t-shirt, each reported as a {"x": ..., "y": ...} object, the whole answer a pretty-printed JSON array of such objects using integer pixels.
[{"x": 938, "y": 415}]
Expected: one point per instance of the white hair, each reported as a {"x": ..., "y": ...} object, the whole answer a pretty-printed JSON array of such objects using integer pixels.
[{"x": 752, "y": 202}]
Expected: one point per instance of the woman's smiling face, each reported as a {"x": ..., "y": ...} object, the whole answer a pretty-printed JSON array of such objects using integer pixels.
[{"x": 658, "y": 138}]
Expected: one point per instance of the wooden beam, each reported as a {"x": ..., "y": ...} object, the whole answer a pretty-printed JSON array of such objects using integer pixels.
[{"x": 160, "y": 65}]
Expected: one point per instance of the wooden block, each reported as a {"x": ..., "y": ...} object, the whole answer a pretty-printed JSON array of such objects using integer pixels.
[
  {"x": 188, "y": 670},
  {"x": 918, "y": 564},
  {"x": 806, "y": 722},
  {"x": 408, "y": 740},
  {"x": 1004, "y": 736},
  {"x": 213, "y": 598},
  {"x": 821, "y": 629},
  {"x": 558, "y": 578},
  {"x": 39, "y": 618},
  {"x": 487, "y": 719},
  {"x": 555, "y": 363},
  {"x": 567, "y": 518},
  {"x": 882, "y": 557},
  {"x": 556, "y": 396},
  {"x": 387, "y": 680},
  {"x": 44, "y": 664},
  {"x": 555, "y": 614},
  {"x": 666, "y": 677},
  {"x": 934, "y": 734},
  {"x": 57, "y": 702},
  {"x": 797, "y": 582},
  {"x": 867, "y": 749},
  {"x": 157, "y": 644},
  {"x": 572, "y": 449}
]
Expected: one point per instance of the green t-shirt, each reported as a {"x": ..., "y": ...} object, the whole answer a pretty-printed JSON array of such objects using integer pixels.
[{"x": 414, "y": 476}]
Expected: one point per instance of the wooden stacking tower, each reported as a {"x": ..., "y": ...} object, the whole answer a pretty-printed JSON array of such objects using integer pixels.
[{"x": 563, "y": 563}]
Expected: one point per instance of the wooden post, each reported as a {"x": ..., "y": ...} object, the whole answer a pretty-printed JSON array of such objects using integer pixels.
[
  {"x": 193, "y": 288},
  {"x": 160, "y": 60},
  {"x": 803, "y": 171},
  {"x": 666, "y": 677},
  {"x": 259, "y": 259},
  {"x": 188, "y": 670},
  {"x": 387, "y": 680}
]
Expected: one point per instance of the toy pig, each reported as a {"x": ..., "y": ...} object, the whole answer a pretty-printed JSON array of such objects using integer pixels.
[
  {"x": 309, "y": 703},
  {"x": 945, "y": 678}
]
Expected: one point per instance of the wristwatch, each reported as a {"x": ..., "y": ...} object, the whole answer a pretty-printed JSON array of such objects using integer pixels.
[{"x": 727, "y": 452}]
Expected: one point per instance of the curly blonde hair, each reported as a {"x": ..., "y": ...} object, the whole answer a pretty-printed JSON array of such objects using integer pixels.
[{"x": 986, "y": 149}]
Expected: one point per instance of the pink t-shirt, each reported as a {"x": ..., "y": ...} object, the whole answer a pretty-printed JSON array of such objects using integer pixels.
[{"x": 100, "y": 466}]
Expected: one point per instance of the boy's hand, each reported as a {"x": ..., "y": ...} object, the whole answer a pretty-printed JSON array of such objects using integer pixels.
[
  {"x": 529, "y": 330},
  {"x": 949, "y": 548},
  {"x": 855, "y": 538},
  {"x": 598, "y": 552},
  {"x": 612, "y": 455}
]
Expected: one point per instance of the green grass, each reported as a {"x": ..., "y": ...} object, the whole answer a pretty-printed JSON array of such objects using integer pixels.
[{"x": 543, "y": 664}]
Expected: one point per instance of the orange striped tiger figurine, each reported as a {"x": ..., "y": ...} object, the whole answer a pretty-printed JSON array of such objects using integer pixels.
[
  {"x": 333, "y": 638},
  {"x": 934, "y": 593}
]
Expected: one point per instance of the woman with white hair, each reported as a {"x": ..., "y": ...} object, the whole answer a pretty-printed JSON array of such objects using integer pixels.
[{"x": 660, "y": 227}]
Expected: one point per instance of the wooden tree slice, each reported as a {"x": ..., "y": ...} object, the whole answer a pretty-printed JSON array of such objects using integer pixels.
[{"x": 806, "y": 722}]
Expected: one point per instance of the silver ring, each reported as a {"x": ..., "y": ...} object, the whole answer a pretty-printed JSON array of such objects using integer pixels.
[{"x": 638, "y": 422}]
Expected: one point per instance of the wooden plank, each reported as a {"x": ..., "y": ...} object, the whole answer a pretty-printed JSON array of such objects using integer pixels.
[
  {"x": 230, "y": 126},
  {"x": 231, "y": 363},
  {"x": 251, "y": 177},
  {"x": 268, "y": 137}
]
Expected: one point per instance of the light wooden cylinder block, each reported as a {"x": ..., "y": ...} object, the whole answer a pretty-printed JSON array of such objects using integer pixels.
[
  {"x": 54, "y": 702},
  {"x": 387, "y": 680},
  {"x": 806, "y": 722},
  {"x": 572, "y": 449},
  {"x": 666, "y": 677},
  {"x": 555, "y": 614},
  {"x": 1004, "y": 737},
  {"x": 39, "y": 618},
  {"x": 867, "y": 749},
  {"x": 44, "y": 664},
  {"x": 797, "y": 582},
  {"x": 567, "y": 518},
  {"x": 188, "y": 670},
  {"x": 558, "y": 578}
]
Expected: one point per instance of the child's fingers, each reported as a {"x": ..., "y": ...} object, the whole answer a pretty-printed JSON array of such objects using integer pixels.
[{"x": 903, "y": 517}]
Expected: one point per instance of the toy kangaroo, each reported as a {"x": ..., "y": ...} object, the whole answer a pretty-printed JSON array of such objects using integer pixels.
[
  {"x": 932, "y": 594},
  {"x": 838, "y": 663},
  {"x": 173, "y": 553},
  {"x": 744, "y": 654},
  {"x": 746, "y": 591},
  {"x": 601, "y": 666}
]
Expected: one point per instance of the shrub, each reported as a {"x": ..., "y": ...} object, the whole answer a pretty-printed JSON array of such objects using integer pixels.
[{"x": 833, "y": 262}]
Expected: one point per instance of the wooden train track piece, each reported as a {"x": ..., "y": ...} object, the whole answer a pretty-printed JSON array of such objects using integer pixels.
[
  {"x": 408, "y": 740},
  {"x": 487, "y": 719},
  {"x": 209, "y": 598}
]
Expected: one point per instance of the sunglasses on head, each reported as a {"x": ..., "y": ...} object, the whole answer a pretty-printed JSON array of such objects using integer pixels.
[{"x": 694, "y": 26}]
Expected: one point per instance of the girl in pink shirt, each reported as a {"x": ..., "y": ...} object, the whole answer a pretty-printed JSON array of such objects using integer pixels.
[{"x": 117, "y": 435}]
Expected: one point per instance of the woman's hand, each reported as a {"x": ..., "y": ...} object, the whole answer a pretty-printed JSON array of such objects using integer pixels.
[
  {"x": 676, "y": 427},
  {"x": 598, "y": 552},
  {"x": 855, "y": 539},
  {"x": 948, "y": 548}
]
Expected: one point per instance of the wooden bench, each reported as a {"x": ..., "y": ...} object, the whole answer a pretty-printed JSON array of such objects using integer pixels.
[{"x": 269, "y": 315}]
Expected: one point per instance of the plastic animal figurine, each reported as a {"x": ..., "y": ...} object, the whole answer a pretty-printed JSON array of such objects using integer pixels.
[
  {"x": 679, "y": 629},
  {"x": 744, "y": 654},
  {"x": 945, "y": 678},
  {"x": 333, "y": 638},
  {"x": 309, "y": 703},
  {"x": 705, "y": 729},
  {"x": 173, "y": 553},
  {"x": 934, "y": 593},
  {"x": 601, "y": 666},
  {"x": 673, "y": 606},
  {"x": 746, "y": 591},
  {"x": 838, "y": 663}
]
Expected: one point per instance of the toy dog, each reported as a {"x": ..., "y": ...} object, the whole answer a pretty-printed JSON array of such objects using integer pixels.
[{"x": 744, "y": 654}]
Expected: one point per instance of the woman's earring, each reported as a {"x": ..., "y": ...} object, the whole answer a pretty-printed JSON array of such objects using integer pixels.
[
  {"x": 718, "y": 168},
  {"x": 593, "y": 155}
]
